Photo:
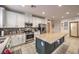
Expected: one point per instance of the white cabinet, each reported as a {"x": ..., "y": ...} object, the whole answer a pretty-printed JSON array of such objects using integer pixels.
[
  {"x": 20, "y": 20},
  {"x": 23, "y": 38},
  {"x": 2, "y": 17},
  {"x": 17, "y": 39},
  {"x": 28, "y": 18},
  {"x": 15, "y": 19},
  {"x": 20, "y": 39},
  {"x": 11, "y": 19},
  {"x": 37, "y": 21},
  {"x": 34, "y": 22},
  {"x": 14, "y": 40}
]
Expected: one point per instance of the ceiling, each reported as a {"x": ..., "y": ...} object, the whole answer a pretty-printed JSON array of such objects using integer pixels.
[{"x": 51, "y": 11}]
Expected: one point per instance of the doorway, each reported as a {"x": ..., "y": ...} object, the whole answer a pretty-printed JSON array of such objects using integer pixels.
[{"x": 73, "y": 29}]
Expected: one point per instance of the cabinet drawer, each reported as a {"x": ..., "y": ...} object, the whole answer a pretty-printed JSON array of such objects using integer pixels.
[
  {"x": 40, "y": 44},
  {"x": 61, "y": 40}
]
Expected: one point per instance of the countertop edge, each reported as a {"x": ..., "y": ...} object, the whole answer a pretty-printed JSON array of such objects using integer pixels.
[{"x": 52, "y": 40}]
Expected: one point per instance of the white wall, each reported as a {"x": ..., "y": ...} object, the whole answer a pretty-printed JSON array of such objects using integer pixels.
[{"x": 57, "y": 27}]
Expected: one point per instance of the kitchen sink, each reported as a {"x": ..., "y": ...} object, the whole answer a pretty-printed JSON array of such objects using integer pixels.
[{"x": 2, "y": 39}]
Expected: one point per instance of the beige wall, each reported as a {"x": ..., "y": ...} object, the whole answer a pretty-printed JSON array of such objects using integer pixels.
[
  {"x": 59, "y": 25},
  {"x": 49, "y": 26}
]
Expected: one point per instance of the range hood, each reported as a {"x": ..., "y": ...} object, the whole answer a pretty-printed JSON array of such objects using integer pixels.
[{"x": 2, "y": 17}]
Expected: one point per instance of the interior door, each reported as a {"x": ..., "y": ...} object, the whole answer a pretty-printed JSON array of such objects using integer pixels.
[{"x": 74, "y": 29}]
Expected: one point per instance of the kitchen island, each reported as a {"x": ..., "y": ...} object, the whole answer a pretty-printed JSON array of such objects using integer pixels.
[{"x": 48, "y": 42}]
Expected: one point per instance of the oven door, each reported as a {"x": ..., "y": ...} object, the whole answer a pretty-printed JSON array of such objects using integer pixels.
[{"x": 29, "y": 36}]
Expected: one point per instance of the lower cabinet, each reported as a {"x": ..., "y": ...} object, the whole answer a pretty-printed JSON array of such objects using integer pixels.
[
  {"x": 17, "y": 39},
  {"x": 43, "y": 47}
]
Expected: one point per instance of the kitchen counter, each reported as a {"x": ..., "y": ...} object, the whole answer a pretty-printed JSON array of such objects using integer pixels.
[
  {"x": 48, "y": 42},
  {"x": 2, "y": 45},
  {"x": 16, "y": 39},
  {"x": 14, "y": 34},
  {"x": 51, "y": 37}
]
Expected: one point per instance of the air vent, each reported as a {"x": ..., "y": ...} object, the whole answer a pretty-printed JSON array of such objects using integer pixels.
[{"x": 33, "y": 6}]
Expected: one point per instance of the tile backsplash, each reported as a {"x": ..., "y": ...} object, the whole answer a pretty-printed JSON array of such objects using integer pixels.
[{"x": 11, "y": 31}]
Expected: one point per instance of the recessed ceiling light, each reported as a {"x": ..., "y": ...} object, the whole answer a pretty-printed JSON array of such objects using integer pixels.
[
  {"x": 59, "y": 5},
  {"x": 67, "y": 12},
  {"x": 33, "y": 6},
  {"x": 77, "y": 13},
  {"x": 53, "y": 16},
  {"x": 43, "y": 12},
  {"x": 62, "y": 17},
  {"x": 23, "y": 5}
]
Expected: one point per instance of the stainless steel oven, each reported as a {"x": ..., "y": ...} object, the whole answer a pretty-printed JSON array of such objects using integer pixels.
[{"x": 29, "y": 36}]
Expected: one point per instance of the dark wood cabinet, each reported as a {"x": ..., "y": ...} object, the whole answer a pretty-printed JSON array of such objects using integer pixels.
[{"x": 43, "y": 47}]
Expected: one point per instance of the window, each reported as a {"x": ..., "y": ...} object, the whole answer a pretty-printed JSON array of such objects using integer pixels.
[{"x": 65, "y": 25}]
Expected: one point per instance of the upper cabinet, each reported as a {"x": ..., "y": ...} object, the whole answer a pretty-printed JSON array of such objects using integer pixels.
[
  {"x": 20, "y": 20},
  {"x": 2, "y": 17},
  {"x": 15, "y": 19},
  {"x": 11, "y": 19},
  {"x": 28, "y": 18},
  {"x": 37, "y": 20},
  {"x": 34, "y": 22}
]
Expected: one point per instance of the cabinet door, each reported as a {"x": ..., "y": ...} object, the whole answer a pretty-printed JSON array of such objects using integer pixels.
[
  {"x": 11, "y": 19},
  {"x": 14, "y": 40},
  {"x": 2, "y": 17},
  {"x": 17, "y": 39},
  {"x": 23, "y": 38},
  {"x": 20, "y": 39},
  {"x": 35, "y": 21},
  {"x": 20, "y": 20}
]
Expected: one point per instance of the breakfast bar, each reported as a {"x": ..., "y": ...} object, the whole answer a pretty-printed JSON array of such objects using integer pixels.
[{"x": 46, "y": 43}]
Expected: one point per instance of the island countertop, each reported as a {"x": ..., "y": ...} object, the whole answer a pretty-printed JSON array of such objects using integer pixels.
[{"x": 51, "y": 37}]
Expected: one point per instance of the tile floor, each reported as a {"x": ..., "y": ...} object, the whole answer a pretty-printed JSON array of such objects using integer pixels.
[{"x": 73, "y": 47}]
